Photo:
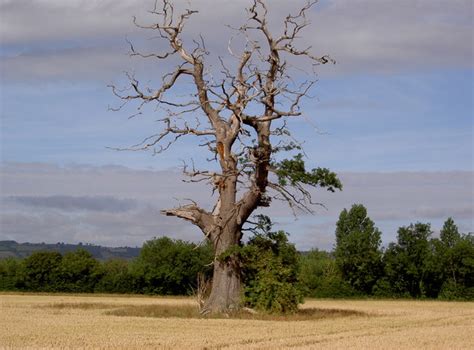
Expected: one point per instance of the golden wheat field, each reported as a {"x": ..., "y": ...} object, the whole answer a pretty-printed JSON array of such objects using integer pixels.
[{"x": 135, "y": 322}]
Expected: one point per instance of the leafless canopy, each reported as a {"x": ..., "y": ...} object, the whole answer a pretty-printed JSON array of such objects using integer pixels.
[
  {"x": 234, "y": 113},
  {"x": 238, "y": 107}
]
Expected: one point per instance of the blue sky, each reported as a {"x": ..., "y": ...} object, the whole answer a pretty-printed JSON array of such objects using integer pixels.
[
  {"x": 365, "y": 123},
  {"x": 400, "y": 99}
]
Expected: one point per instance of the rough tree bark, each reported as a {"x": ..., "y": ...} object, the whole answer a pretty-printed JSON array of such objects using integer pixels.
[{"x": 239, "y": 140}]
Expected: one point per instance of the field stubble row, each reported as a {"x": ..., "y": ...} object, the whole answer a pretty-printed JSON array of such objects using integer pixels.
[{"x": 73, "y": 321}]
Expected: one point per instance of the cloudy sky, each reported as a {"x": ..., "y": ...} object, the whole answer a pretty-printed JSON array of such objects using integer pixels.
[{"x": 394, "y": 117}]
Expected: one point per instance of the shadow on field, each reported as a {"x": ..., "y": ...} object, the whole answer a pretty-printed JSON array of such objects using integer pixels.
[
  {"x": 79, "y": 306},
  {"x": 190, "y": 311},
  {"x": 187, "y": 311}
]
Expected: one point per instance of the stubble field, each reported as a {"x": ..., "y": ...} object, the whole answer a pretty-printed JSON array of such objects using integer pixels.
[{"x": 134, "y": 322}]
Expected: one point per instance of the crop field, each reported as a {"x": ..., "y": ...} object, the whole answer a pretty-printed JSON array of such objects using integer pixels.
[{"x": 136, "y": 322}]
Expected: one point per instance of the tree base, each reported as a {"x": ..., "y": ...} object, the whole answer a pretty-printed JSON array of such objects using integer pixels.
[{"x": 225, "y": 295}]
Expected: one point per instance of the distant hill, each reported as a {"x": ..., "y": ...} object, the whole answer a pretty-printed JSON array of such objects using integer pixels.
[{"x": 23, "y": 250}]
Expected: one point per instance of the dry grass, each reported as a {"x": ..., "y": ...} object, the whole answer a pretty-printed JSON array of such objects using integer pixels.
[
  {"x": 80, "y": 321},
  {"x": 80, "y": 306},
  {"x": 191, "y": 311}
]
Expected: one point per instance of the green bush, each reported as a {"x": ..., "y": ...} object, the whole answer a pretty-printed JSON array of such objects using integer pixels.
[
  {"x": 41, "y": 272},
  {"x": 383, "y": 289},
  {"x": 80, "y": 272},
  {"x": 455, "y": 291},
  {"x": 321, "y": 278},
  {"x": 170, "y": 267},
  {"x": 358, "y": 255},
  {"x": 271, "y": 271},
  {"x": 116, "y": 277},
  {"x": 10, "y": 270},
  {"x": 314, "y": 269}
]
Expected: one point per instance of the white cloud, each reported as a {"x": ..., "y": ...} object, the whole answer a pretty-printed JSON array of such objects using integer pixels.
[
  {"x": 407, "y": 35},
  {"x": 75, "y": 203},
  {"x": 26, "y": 22},
  {"x": 392, "y": 200},
  {"x": 83, "y": 39}
]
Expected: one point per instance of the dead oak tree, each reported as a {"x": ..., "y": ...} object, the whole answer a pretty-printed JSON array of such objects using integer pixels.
[{"x": 241, "y": 117}]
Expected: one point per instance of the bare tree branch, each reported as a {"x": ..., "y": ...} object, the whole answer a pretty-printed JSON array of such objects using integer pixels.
[{"x": 233, "y": 113}]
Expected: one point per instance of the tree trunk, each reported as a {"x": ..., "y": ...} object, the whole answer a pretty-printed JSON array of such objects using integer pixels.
[
  {"x": 225, "y": 293},
  {"x": 226, "y": 282}
]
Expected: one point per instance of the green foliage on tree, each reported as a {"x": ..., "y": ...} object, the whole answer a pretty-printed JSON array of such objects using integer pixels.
[
  {"x": 41, "y": 272},
  {"x": 449, "y": 234},
  {"x": 293, "y": 172},
  {"x": 170, "y": 267},
  {"x": 10, "y": 269},
  {"x": 275, "y": 274},
  {"x": 270, "y": 270},
  {"x": 406, "y": 262},
  {"x": 358, "y": 254},
  {"x": 116, "y": 277},
  {"x": 315, "y": 268},
  {"x": 80, "y": 272},
  {"x": 456, "y": 262},
  {"x": 321, "y": 278}
]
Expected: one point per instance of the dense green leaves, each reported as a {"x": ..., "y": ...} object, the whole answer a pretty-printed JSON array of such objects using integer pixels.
[
  {"x": 456, "y": 262},
  {"x": 449, "y": 234},
  {"x": 10, "y": 272},
  {"x": 358, "y": 254},
  {"x": 407, "y": 261},
  {"x": 417, "y": 265},
  {"x": 270, "y": 270},
  {"x": 41, "y": 272},
  {"x": 167, "y": 266},
  {"x": 321, "y": 278},
  {"x": 79, "y": 272},
  {"x": 275, "y": 274},
  {"x": 293, "y": 172},
  {"x": 116, "y": 278}
]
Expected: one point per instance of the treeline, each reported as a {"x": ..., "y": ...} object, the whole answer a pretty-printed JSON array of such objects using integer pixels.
[
  {"x": 417, "y": 265},
  {"x": 164, "y": 266},
  {"x": 23, "y": 250},
  {"x": 276, "y": 276}
]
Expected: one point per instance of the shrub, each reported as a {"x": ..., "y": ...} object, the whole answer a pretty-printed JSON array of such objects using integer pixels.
[
  {"x": 170, "y": 267},
  {"x": 270, "y": 270},
  {"x": 10, "y": 270},
  {"x": 41, "y": 272},
  {"x": 79, "y": 272},
  {"x": 116, "y": 277}
]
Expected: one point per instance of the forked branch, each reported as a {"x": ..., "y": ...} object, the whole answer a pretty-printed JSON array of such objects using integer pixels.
[{"x": 235, "y": 112}]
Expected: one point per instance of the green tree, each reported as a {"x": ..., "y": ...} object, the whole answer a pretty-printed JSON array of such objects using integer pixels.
[
  {"x": 320, "y": 277},
  {"x": 455, "y": 254},
  {"x": 314, "y": 267},
  {"x": 406, "y": 262},
  {"x": 358, "y": 254},
  {"x": 239, "y": 112},
  {"x": 41, "y": 272},
  {"x": 270, "y": 270},
  {"x": 10, "y": 270},
  {"x": 115, "y": 277},
  {"x": 441, "y": 267},
  {"x": 449, "y": 234},
  {"x": 170, "y": 267},
  {"x": 449, "y": 239},
  {"x": 463, "y": 256},
  {"x": 79, "y": 272}
]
